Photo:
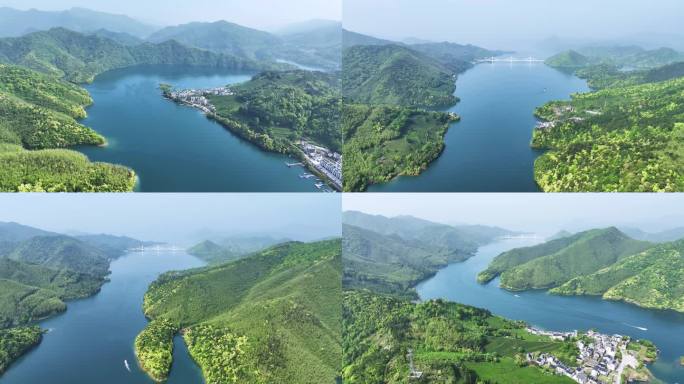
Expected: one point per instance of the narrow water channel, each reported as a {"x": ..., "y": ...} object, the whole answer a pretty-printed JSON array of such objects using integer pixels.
[
  {"x": 457, "y": 282},
  {"x": 489, "y": 149},
  {"x": 90, "y": 341}
]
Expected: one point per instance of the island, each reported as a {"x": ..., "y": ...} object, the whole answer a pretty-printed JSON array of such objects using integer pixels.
[{"x": 291, "y": 112}]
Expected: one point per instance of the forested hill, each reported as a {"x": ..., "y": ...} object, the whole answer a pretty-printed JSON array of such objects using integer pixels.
[
  {"x": 79, "y": 58},
  {"x": 39, "y": 112},
  {"x": 652, "y": 279},
  {"x": 392, "y": 255},
  {"x": 276, "y": 315},
  {"x": 630, "y": 57},
  {"x": 276, "y": 109},
  {"x": 232, "y": 248},
  {"x": 552, "y": 264},
  {"x": 394, "y": 74}
]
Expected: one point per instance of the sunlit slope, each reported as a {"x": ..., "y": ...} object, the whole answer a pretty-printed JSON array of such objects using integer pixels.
[
  {"x": 551, "y": 265},
  {"x": 278, "y": 313}
]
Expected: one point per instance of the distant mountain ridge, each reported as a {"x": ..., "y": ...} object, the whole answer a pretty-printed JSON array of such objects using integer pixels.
[{"x": 15, "y": 22}]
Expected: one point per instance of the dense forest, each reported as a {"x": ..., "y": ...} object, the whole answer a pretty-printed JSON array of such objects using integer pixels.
[
  {"x": 623, "y": 137},
  {"x": 39, "y": 119},
  {"x": 382, "y": 142},
  {"x": 271, "y": 317},
  {"x": 275, "y": 109},
  {"x": 232, "y": 248},
  {"x": 598, "y": 262},
  {"x": 448, "y": 343},
  {"x": 14, "y": 342}
]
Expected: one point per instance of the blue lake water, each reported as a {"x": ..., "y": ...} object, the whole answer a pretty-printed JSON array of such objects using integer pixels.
[
  {"x": 90, "y": 341},
  {"x": 458, "y": 283},
  {"x": 489, "y": 149},
  {"x": 175, "y": 148}
]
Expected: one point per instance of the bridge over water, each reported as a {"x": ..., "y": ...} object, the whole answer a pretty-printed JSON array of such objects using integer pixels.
[{"x": 509, "y": 59}]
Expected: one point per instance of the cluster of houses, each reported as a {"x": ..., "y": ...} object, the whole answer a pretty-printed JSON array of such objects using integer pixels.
[
  {"x": 197, "y": 98},
  {"x": 598, "y": 360},
  {"x": 325, "y": 161},
  {"x": 560, "y": 112}
]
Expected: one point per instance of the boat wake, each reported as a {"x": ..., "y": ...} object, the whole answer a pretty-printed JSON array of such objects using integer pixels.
[
  {"x": 634, "y": 326},
  {"x": 127, "y": 366}
]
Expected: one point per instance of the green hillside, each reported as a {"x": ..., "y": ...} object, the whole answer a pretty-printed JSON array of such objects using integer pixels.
[
  {"x": 112, "y": 246},
  {"x": 275, "y": 109},
  {"x": 568, "y": 60},
  {"x": 450, "y": 343},
  {"x": 40, "y": 112},
  {"x": 652, "y": 279},
  {"x": 616, "y": 139},
  {"x": 454, "y": 56},
  {"x": 552, "y": 264},
  {"x": 382, "y": 142},
  {"x": 221, "y": 36},
  {"x": 392, "y": 255},
  {"x": 211, "y": 252},
  {"x": 15, "y": 232},
  {"x": 22, "y": 304},
  {"x": 631, "y": 57},
  {"x": 273, "y": 316},
  {"x": 60, "y": 252},
  {"x": 394, "y": 74},
  {"x": 79, "y": 58},
  {"x": 14, "y": 342},
  {"x": 317, "y": 43}
]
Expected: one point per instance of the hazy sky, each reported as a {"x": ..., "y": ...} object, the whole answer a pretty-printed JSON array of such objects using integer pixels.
[
  {"x": 179, "y": 218},
  {"x": 536, "y": 212},
  {"x": 262, "y": 14},
  {"x": 502, "y": 23}
]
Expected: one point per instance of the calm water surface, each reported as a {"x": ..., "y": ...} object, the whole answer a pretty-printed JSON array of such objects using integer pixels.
[
  {"x": 457, "y": 282},
  {"x": 175, "y": 148},
  {"x": 489, "y": 149},
  {"x": 90, "y": 341}
]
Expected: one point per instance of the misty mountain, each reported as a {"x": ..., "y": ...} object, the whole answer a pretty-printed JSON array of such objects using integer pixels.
[
  {"x": 350, "y": 39},
  {"x": 120, "y": 37},
  {"x": 15, "y": 232},
  {"x": 656, "y": 237},
  {"x": 15, "y": 22}
]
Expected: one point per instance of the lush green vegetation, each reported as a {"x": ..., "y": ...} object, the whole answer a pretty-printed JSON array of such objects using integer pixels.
[
  {"x": 154, "y": 349},
  {"x": 392, "y": 255},
  {"x": 39, "y": 273},
  {"x": 652, "y": 279},
  {"x": 451, "y": 343},
  {"x": 79, "y": 58},
  {"x": 14, "y": 342},
  {"x": 232, "y": 248},
  {"x": 272, "y": 317},
  {"x": 275, "y": 109},
  {"x": 396, "y": 75},
  {"x": 382, "y": 142},
  {"x": 40, "y": 112},
  {"x": 629, "y": 57},
  {"x": 622, "y": 138},
  {"x": 552, "y": 264}
]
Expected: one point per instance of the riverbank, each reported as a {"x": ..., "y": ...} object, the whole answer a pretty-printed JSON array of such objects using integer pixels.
[
  {"x": 458, "y": 283},
  {"x": 489, "y": 149},
  {"x": 320, "y": 160}
]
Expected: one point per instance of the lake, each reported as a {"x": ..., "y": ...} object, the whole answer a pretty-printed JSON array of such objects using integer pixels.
[
  {"x": 489, "y": 149},
  {"x": 457, "y": 282},
  {"x": 89, "y": 342},
  {"x": 175, "y": 148}
]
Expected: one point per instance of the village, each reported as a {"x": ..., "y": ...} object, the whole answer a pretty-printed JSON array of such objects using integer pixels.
[
  {"x": 196, "y": 98},
  {"x": 559, "y": 112},
  {"x": 602, "y": 358},
  {"x": 324, "y": 161}
]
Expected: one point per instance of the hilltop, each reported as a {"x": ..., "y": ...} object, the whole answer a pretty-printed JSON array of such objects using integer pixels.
[
  {"x": 553, "y": 263},
  {"x": 276, "y": 311}
]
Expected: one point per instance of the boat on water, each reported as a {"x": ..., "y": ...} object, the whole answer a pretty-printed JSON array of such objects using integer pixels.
[
  {"x": 319, "y": 185},
  {"x": 126, "y": 365}
]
